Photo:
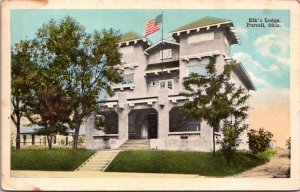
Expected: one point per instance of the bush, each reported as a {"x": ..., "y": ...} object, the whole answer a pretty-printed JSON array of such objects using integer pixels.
[
  {"x": 230, "y": 141},
  {"x": 260, "y": 140}
]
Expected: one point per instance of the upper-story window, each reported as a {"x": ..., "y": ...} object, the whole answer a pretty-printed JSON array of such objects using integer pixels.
[
  {"x": 166, "y": 54},
  {"x": 197, "y": 69},
  {"x": 128, "y": 79},
  {"x": 166, "y": 84},
  {"x": 196, "y": 38}
]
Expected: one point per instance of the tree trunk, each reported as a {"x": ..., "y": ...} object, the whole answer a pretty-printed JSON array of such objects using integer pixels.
[
  {"x": 18, "y": 140},
  {"x": 214, "y": 143},
  {"x": 75, "y": 139},
  {"x": 49, "y": 139}
]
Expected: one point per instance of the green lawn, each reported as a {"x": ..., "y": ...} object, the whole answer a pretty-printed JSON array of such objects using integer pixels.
[
  {"x": 201, "y": 163},
  {"x": 57, "y": 159}
]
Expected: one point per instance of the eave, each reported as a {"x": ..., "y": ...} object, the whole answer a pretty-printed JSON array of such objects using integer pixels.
[
  {"x": 241, "y": 72},
  {"x": 134, "y": 41},
  {"x": 158, "y": 43},
  {"x": 235, "y": 40}
]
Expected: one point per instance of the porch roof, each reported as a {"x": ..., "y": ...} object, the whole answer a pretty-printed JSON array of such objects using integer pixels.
[{"x": 164, "y": 65}]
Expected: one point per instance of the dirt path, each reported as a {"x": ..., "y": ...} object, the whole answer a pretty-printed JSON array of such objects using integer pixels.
[{"x": 277, "y": 167}]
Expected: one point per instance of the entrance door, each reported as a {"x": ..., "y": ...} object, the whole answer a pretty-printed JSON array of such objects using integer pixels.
[{"x": 152, "y": 126}]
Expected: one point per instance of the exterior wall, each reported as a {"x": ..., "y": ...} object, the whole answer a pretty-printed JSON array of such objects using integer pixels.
[
  {"x": 201, "y": 140},
  {"x": 138, "y": 57},
  {"x": 217, "y": 44},
  {"x": 186, "y": 141},
  {"x": 155, "y": 90},
  {"x": 155, "y": 54}
]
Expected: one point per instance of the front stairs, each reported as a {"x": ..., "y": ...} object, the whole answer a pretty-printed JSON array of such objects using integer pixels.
[
  {"x": 136, "y": 144},
  {"x": 99, "y": 161}
]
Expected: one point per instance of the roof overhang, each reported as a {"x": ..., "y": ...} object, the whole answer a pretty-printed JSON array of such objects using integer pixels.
[
  {"x": 241, "y": 72},
  {"x": 160, "y": 42},
  {"x": 236, "y": 40},
  {"x": 134, "y": 41}
]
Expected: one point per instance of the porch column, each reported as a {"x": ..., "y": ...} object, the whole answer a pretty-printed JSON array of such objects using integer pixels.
[
  {"x": 163, "y": 115},
  {"x": 123, "y": 110}
]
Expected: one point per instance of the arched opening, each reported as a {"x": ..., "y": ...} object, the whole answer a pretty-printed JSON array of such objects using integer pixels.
[{"x": 142, "y": 123}]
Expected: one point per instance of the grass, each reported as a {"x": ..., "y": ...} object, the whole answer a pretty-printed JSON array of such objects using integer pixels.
[
  {"x": 57, "y": 159},
  {"x": 201, "y": 163}
]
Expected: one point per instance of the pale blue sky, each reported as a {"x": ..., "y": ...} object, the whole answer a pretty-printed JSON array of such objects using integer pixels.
[{"x": 264, "y": 52}]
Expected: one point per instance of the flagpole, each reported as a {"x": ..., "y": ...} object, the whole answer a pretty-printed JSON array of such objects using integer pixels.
[{"x": 162, "y": 39}]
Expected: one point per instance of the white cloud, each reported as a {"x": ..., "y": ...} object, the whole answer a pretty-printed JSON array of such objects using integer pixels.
[
  {"x": 273, "y": 68},
  {"x": 275, "y": 46},
  {"x": 246, "y": 59},
  {"x": 259, "y": 82},
  {"x": 242, "y": 32}
]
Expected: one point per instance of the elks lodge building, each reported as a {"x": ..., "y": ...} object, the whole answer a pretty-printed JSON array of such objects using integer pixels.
[{"x": 144, "y": 107}]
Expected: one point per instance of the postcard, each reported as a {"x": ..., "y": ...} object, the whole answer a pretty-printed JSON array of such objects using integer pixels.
[{"x": 150, "y": 95}]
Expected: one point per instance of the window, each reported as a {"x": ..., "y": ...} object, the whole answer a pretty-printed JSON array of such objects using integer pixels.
[
  {"x": 128, "y": 79},
  {"x": 192, "y": 125},
  {"x": 196, "y": 38},
  {"x": 166, "y": 54},
  {"x": 152, "y": 83},
  {"x": 170, "y": 84},
  {"x": 166, "y": 84},
  {"x": 198, "y": 69},
  {"x": 162, "y": 84}
]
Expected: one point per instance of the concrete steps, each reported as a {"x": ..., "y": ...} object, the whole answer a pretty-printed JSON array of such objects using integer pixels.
[
  {"x": 99, "y": 161},
  {"x": 136, "y": 144}
]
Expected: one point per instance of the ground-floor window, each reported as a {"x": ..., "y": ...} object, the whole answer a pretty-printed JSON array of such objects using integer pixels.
[
  {"x": 179, "y": 122},
  {"x": 111, "y": 121},
  {"x": 192, "y": 125}
]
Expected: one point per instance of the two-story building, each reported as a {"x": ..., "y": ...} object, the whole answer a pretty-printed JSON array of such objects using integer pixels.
[{"x": 145, "y": 104}]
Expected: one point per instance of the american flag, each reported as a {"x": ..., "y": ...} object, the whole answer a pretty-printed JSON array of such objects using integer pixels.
[{"x": 153, "y": 25}]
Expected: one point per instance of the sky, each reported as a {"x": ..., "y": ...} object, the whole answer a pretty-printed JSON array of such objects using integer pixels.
[{"x": 264, "y": 52}]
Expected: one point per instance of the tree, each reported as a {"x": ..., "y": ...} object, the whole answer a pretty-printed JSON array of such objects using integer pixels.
[
  {"x": 50, "y": 109},
  {"x": 215, "y": 97},
  {"x": 84, "y": 64},
  {"x": 23, "y": 70},
  {"x": 259, "y": 140}
]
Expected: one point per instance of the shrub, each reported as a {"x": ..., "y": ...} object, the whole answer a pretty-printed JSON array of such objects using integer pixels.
[
  {"x": 259, "y": 140},
  {"x": 230, "y": 141}
]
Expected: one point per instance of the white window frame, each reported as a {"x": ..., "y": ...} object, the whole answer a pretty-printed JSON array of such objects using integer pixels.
[
  {"x": 166, "y": 54},
  {"x": 166, "y": 84},
  {"x": 132, "y": 79}
]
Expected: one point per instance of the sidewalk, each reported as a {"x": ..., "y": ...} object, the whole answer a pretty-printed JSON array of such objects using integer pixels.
[{"x": 94, "y": 174}]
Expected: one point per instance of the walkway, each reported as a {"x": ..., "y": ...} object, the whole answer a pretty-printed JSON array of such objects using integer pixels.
[
  {"x": 277, "y": 167},
  {"x": 99, "y": 161}
]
